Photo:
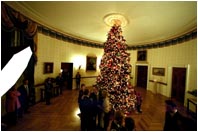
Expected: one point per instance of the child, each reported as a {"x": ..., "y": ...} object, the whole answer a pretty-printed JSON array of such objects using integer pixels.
[{"x": 139, "y": 102}]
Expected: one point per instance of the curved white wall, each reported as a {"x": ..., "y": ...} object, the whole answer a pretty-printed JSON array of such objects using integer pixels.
[
  {"x": 180, "y": 55},
  {"x": 57, "y": 51}
]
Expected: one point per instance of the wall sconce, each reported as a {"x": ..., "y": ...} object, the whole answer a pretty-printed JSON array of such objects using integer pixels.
[
  {"x": 79, "y": 67},
  {"x": 78, "y": 61}
]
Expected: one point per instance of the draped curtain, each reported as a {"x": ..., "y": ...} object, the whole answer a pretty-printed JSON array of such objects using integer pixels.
[{"x": 12, "y": 22}]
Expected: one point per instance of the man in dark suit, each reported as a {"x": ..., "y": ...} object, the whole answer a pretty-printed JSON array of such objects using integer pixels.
[
  {"x": 24, "y": 98},
  {"x": 78, "y": 77},
  {"x": 173, "y": 119},
  {"x": 94, "y": 96},
  {"x": 86, "y": 111},
  {"x": 48, "y": 90},
  {"x": 60, "y": 83}
]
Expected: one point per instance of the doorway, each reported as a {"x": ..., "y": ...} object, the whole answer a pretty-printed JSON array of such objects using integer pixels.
[
  {"x": 67, "y": 74},
  {"x": 178, "y": 84},
  {"x": 142, "y": 72}
]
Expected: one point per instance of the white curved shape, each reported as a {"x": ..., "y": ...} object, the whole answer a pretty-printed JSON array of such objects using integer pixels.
[{"x": 13, "y": 69}]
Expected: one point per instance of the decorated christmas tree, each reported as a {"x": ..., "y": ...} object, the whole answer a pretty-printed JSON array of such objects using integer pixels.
[{"x": 115, "y": 71}]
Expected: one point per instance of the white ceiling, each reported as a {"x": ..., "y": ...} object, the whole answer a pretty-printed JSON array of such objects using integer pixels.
[{"x": 148, "y": 21}]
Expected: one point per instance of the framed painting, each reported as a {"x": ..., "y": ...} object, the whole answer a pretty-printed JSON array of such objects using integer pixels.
[
  {"x": 48, "y": 67},
  {"x": 158, "y": 71},
  {"x": 141, "y": 55},
  {"x": 91, "y": 63}
]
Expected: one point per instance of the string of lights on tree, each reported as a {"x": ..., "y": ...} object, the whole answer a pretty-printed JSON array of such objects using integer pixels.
[{"x": 115, "y": 69}]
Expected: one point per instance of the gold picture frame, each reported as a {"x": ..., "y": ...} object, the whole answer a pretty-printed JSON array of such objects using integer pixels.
[
  {"x": 91, "y": 63},
  {"x": 158, "y": 71},
  {"x": 48, "y": 67},
  {"x": 141, "y": 55}
]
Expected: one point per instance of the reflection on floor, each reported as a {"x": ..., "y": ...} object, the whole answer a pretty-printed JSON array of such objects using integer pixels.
[{"x": 62, "y": 114}]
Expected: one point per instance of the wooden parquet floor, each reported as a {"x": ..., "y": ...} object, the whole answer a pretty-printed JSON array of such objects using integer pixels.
[{"x": 61, "y": 115}]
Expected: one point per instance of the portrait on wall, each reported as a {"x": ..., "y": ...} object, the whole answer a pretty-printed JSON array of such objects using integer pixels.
[
  {"x": 48, "y": 67},
  {"x": 158, "y": 71},
  {"x": 91, "y": 63},
  {"x": 142, "y": 55}
]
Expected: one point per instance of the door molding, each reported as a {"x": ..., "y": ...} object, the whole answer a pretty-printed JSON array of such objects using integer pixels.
[
  {"x": 169, "y": 83},
  {"x": 135, "y": 73}
]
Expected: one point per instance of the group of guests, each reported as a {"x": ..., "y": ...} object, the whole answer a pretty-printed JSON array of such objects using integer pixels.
[
  {"x": 17, "y": 102},
  {"x": 18, "y": 98},
  {"x": 97, "y": 114},
  {"x": 49, "y": 87}
]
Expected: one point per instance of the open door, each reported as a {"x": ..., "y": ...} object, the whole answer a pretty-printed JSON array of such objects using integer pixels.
[
  {"x": 178, "y": 84},
  {"x": 67, "y": 74}
]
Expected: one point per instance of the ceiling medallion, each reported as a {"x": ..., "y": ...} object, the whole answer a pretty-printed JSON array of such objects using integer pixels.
[{"x": 115, "y": 18}]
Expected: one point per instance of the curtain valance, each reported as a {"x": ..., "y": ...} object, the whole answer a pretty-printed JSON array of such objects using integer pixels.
[{"x": 12, "y": 19}]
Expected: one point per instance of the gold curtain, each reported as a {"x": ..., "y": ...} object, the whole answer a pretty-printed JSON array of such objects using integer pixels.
[{"x": 12, "y": 19}]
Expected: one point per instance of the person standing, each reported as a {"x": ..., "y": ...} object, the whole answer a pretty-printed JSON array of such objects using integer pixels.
[
  {"x": 60, "y": 82},
  {"x": 173, "y": 119},
  {"x": 94, "y": 96},
  {"x": 78, "y": 78},
  {"x": 24, "y": 98},
  {"x": 100, "y": 111},
  {"x": 138, "y": 102},
  {"x": 80, "y": 94},
  {"x": 86, "y": 111},
  {"x": 105, "y": 116},
  {"x": 48, "y": 90},
  {"x": 12, "y": 105},
  {"x": 117, "y": 124}
]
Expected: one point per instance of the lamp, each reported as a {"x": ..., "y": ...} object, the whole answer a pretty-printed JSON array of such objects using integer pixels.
[{"x": 155, "y": 86}]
